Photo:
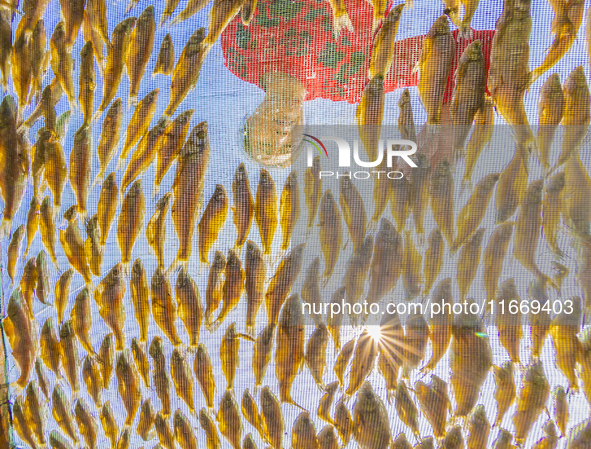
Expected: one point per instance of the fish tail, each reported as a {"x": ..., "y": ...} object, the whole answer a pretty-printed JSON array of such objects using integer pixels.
[
  {"x": 175, "y": 265},
  {"x": 466, "y": 185},
  {"x": 5, "y": 228},
  {"x": 373, "y": 224},
  {"x": 155, "y": 190},
  {"x": 465, "y": 31},
  {"x": 126, "y": 266},
  {"x": 341, "y": 22},
  {"x": 250, "y": 330},
  {"x": 120, "y": 163},
  {"x": 163, "y": 19},
  {"x": 97, "y": 114},
  {"x": 131, "y": 101},
  {"x": 98, "y": 179},
  {"x": 175, "y": 21}
]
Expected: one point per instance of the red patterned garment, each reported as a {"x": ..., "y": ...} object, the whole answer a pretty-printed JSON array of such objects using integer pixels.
[{"x": 296, "y": 38}]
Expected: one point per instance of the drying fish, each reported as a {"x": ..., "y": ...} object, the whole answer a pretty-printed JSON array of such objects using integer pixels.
[
  {"x": 180, "y": 372},
  {"x": 441, "y": 324},
  {"x": 14, "y": 250},
  {"x": 493, "y": 257},
  {"x": 382, "y": 52},
  {"x": 312, "y": 190},
  {"x": 92, "y": 378},
  {"x": 109, "y": 141},
  {"x": 80, "y": 166},
  {"x": 129, "y": 222},
  {"x": 243, "y": 205},
  {"x": 577, "y": 214},
  {"x": 62, "y": 413},
  {"x": 28, "y": 283},
  {"x": 106, "y": 359},
  {"x": 215, "y": 286},
  {"x": 325, "y": 403},
  {"x": 204, "y": 373},
  {"x": 140, "y": 297},
  {"x": 32, "y": 223},
  {"x": 228, "y": 418},
  {"x": 434, "y": 66},
  {"x": 108, "y": 296},
  {"x": 552, "y": 208},
  {"x": 272, "y": 418},
  {"x": 261, "y": 356},
  {"x": 550, "y": 112},
  {"x": 311, "y": 290},
  {"x": 139, "y": 52},
  {"x": 564, "y": 329},
  {"x": 330, "y": 232},
  {"x": 289, "y": 208},
  {"x": 116, "y": 57},
  {"x": 484, "y": 121},
  {"x": 141, "y": 361},
  {"x": 442, "y": 199},
  {"x": 212, "y": 221},
  {"x": 353, "y": 209},
  {"x": 505, "y": 389},
  {"x": 128, "y": 386},
  {"x": 161, "y": 379},
  {"x": 266, "y": 210},
  {"x": 531, "y": 400},
  {"x": 255, "y": 277},
  {"x": 188, "y": 189},
  {"x": 81, "y": 318},
  {"x": 363, "y": 362},
  {"x": 508, "y": 323},
  {"x": 62, "y": 62},
  {"x": 289, "y": 354},
  {"x": 164, "y": 309},
  {"x": 73, "y": 245},
  {"x": 414, "y": 343},
  {"x": 187, "y": 68},
  {"x": 315, "y": 356},
  {"x": 211, "y": 434},
  {"x": 107, "y": 206},
  {"x": 412, "y": 264},
  {"x": 356, "y": 271},
  {"x": 21, "y": 68},
  {"x": 69, "y": 355},
  {"x": 189, "y": 306},
  {"x": 250, "y": 411},
  {"x": 282, "y": 281},
  {"x": 165, "y": 60},
  {"x": 343, "y": 361},
  {"x": 370, "y": 114},
  {"x": 468, "y": 95},
  {"x": 145, "y": 425},
  {"x": 343, "y": 422},
  {"x": 229, "y": 353},
  {"x": 334, "y": 321},
  {"x": 92, "y": 246},
  {"x": 22, "y": 336},
  {"x": 435, "y": 404},
  {"x": 183, "y": 431},
  {"x": 156, "y": 228},
  {"x": 49, "y": 347},
  {"x": 406, "y": 409},
  {"x": 433, "y": 259}
]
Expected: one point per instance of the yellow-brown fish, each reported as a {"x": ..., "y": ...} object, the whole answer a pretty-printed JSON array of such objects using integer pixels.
[
  {"x": 62, "y": 413},
  {"x": 531, "y": 400},
  {"x": 343, "y": 360},
  {"x": 188, "y": 189},
  {"x": 32, "y": 223},
  {"x": 343, "y": 421},
  {"x": 6, "y": 47},
  {"x": 80, "y": 167},
  {"x": 21, "y": 68},
  {"x": 434, "y": 65},
  {"x": 560, "y": 408},
  {"x": 493, "y": 258},
  {"x": 116, "y": 57},
  {"x": 129, "y": 223},
  {"x": 325, "y": 403},
  {"x": 577, "y": 214},
  {"x": 165, "y": 435},
  {"x": 303, "y": 433},
  {"x": 92, "y": 246},
  {"x": 250, "y": 411},
  {"x": 233, "y": 288},
  {"x": 353, "y": 209},
  {"x": 212, "y": 438},
  {"x": 315, "y": 356},
  {"x": 552, "y": 208},
  {"x": 434, "y": 403},
  {"x": 28, "y": 283},
  {"x": 330, "y": 233},
  {"x": 504, "y": 390},
  {"x": 406, "y": 409},
  {"x": 261, "y": 354},
  {"x": 187, "y": 68},
  {"x": 282, "y": 281},
  {"x": 382, "y": 52},
  {"x": 161, "y": 379},
  {"x": 156, "y": 228},
  {"x": 567, "y": 346},
  {"x": 244, "y": 205},
  {"x": 96, "y": 10},
  {"x": 14, "y": 249},
  {"x": 311, "y": 295},
  {"x": 164, "y": 309},
  {"x": 470, "y": 360},
  {"x": 550, "y": 111},
  {"x": 165, "y": 60},
  {"x": 442, "y": 199},
  {"x": 229, "y": 421},
  {"x": 312, "y": 190},
  {"x": 87, "y": 423},
  {"x": 415, "y": 342},
  {"x": 433, "y": 259},
  {"x": 412, "y": 264},
  {"x": 109, "y": 423},
  {"x": 212, "y": 221},
  {"x": 189, "y": 305},
  {"x": 109, "y": 141},
  {"x": 272, "y": 418},
  {"x": 441, "y": 323},
  {"x": 62, "y": 62},
  {"x": 39, "y": 59},
  {"x": 107, "y": 206},
  {"x": 419, "y": 191},
  {"x": 577, "y": 114},
  {"x": 86, "y": 82},
  {"x": 92, "y": 379},
  {"x": 222, "y": 12},
  {"x": 255, "y": 270},
  {"x": 145, "y": 425},
  {"x": 81, "y": 318},
  {"x": 180, "y": 372},
  {"x": 183, "y": 431},
  {"x": 356, "y": 271},
  {"x": 141, "y": 44},
  {"x": 106, "y": 359},
  {"x": 140, "y": 297},
  {"x": 108, "y": 296},
  {"x": 69, "y": 355},
  {"x": 229, "y": 353},
  {"x": 73, "y": 245},
  {"x": 204, "y": 374},
  {"x": 370, "y": 114},
  {"x": 141, "y": 361},
  {"x": 289, "y": 208},
  {"x": 474, "y": 210},
  {"x": 468, "y": 262},
  {"x": 56, "y": 171},
  {"x": 266, "y": 210},
  {"x": 484, "y": 121},
  {"x": 289, "y": 355},
  {"x": 49, "y": 347},
  {"x": 22, "y": 336},
  {"x": 363, "y": 361},
  {"x": 128, "y": 386},
  {"x": 508, "y": 323},
  {"x": 468, "y": 94},
  {"x": 215, "y": 286}
]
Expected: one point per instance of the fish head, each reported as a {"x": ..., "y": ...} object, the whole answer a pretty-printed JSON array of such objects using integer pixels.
[
  {"x": 110, "y": 181},
  {"x": 124, "y": 27},
  {"x": 314, "y": 267},
  {"x": 176, "y": 358},
  {"x": 549, "y": 428},
  {"x": 116, "y": 275},
  {"x": 87, "y": 50},
  {"x": 123, "y": 364},
  {"x": 404, "y": 99},
  {"x": 18, "y": 232},
  {"x": 253, "y": 252},
  {"x": 137, "y": 270},
  {"x": 136, "y": 189},
  {"x": 241, "y": 174},
  {"x": 478, "y": 415},
  {"x": 439, "y": 28},
  {"x": 233, "y": 260},
  {"x": 219, "y": 194},
  {"x": 30, "y": 267},
  {"x": 473, "y": 51},
  {"x": 534, "y": 375},
  {"x": 71, "y": 213},
  {"x": 327, "y": 203},
  {"x": 66, "y": 330},
  {"x": 146, "y": 16},
  {"x": 267, "y": 398},
  {"x": 387, "y": 233},
  {"x": 116, "y": 108},
  {"x": 83, "y": 295},
  {"x": 16, "y": 303},
  {"x": 151, "y": 98},
  {"x": 8, "y": 110},
  {"x": 227, "y": 402},
  {"x": 443, "y": 291},
  {"x": 296, "y": 255},
  {"x": 92, "y": 227},
  {"x": 156, "y": 349},
  {"x": 202, "y": 354},
  {"x": 316, "y": 164},
  {"x": 219, "y": 261},
  {"x": 507, "y": 290},
  {"x": 367, "y": 400},
  {"x": 476, "y": 239},
  {"x": 560, "y": 269},
  {"x": 59, "y": 34},
  {"x": 375, "y": 87},
  {"x": 182, "y": 280},
  {"x": 551, "y": 88},
  {"x": 557, "y": 182},
  {"x": 291, "y": 183}
]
